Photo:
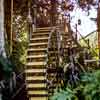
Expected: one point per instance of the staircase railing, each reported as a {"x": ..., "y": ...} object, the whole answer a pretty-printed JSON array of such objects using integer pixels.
[
  {"x": 87, "y": 43},
  {"x": 57, "y": 32},
  {"x": 51, "y": 66},
  {"x": 79, "y": 46},
  {"x": 54, "y": 31}
]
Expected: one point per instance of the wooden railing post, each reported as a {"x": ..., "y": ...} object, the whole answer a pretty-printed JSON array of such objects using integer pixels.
[
  {"x": 30, "y": 28},
  {"x": 34, "y": 20},
  {"x": 53, "y": 12}
]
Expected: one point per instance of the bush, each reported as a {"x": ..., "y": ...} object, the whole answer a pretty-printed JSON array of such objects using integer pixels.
[{"x": 88, "y": 88}]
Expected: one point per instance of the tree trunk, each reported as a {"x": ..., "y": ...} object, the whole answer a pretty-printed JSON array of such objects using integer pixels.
[
  {"x": 2, "y": 40},
  {"x": 98, "y": 27}
]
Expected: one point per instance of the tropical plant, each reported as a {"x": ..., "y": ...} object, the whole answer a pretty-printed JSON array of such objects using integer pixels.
[
  {"x": 91, "y": 85},
  {"x": 88, "y": 88},
  {"x": 64, "y": 94}
]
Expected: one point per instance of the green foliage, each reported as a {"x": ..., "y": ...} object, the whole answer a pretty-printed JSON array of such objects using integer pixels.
[
  {"x": 91, "y": 85},
  {"x": 6, "y": 67},
  {"x": 19, "y": 55},
  {"x": 20, "y": 42},
  {"x": 64, "y": 94},
  {"x": 87, "y": 89}
]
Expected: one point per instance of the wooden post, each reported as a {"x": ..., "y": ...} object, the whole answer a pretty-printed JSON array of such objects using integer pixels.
[
  {"x": 53, "y": 12},
  {"x": 35, "y": 12},
  {"x": 30, "y": 29},
  {"x": 11, "y": 35}
]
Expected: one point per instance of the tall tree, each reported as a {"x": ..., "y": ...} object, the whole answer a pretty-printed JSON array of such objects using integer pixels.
[
  {"x": 98, "y": 27},
  {"x": 2, "y": 40}
]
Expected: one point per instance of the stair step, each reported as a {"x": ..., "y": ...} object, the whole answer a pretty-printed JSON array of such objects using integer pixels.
[
  {"x": 36, "y": 85},
  {"x": 37, "y": 88},
  {"x": 46, "y": 29},
  {"x": 35, "y": 70},
  {"x": 42, "y": 31},
  {"x": 41, "y": 34},
  {"x": 40, "y": 58},
  {"x": 45, "y": 40},
  {"x": 35, "y": 63},
  {"x": 36, "y": 56},
  {"x": 36, "y": 74},
  {"x": 37, "y": 49},
  {"x": 37, "y": 44},
  {"x": 38, "y": 95},
  {"x": 38, "y": 98},
  {"x": 43, "y": 28},
  {"x": 35, "y": 67},
  {"x": 36, "y": 59},
  {"x": 37, "y": 92},
  {"x": 35, "y": 78},
  {"x": 37, "y": 52},
  {"x": 39, "y": 38},
  {"x": 36, "y": 81}
]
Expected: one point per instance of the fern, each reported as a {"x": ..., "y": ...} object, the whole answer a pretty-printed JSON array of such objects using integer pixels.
[
  {"x": 64, "y": 94},
  {"x": 88, "y": 88}
]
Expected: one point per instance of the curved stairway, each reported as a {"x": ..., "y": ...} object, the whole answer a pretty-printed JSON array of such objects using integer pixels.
[{"x": 35, "y": 70}]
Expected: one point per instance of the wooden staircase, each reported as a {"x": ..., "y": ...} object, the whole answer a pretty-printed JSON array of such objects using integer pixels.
[
  {"x": 35, "y": 70},
  {"x": 36, "y": 65}
]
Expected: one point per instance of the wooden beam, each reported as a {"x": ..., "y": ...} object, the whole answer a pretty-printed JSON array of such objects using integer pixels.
[{"x": 91, "y": 60}]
